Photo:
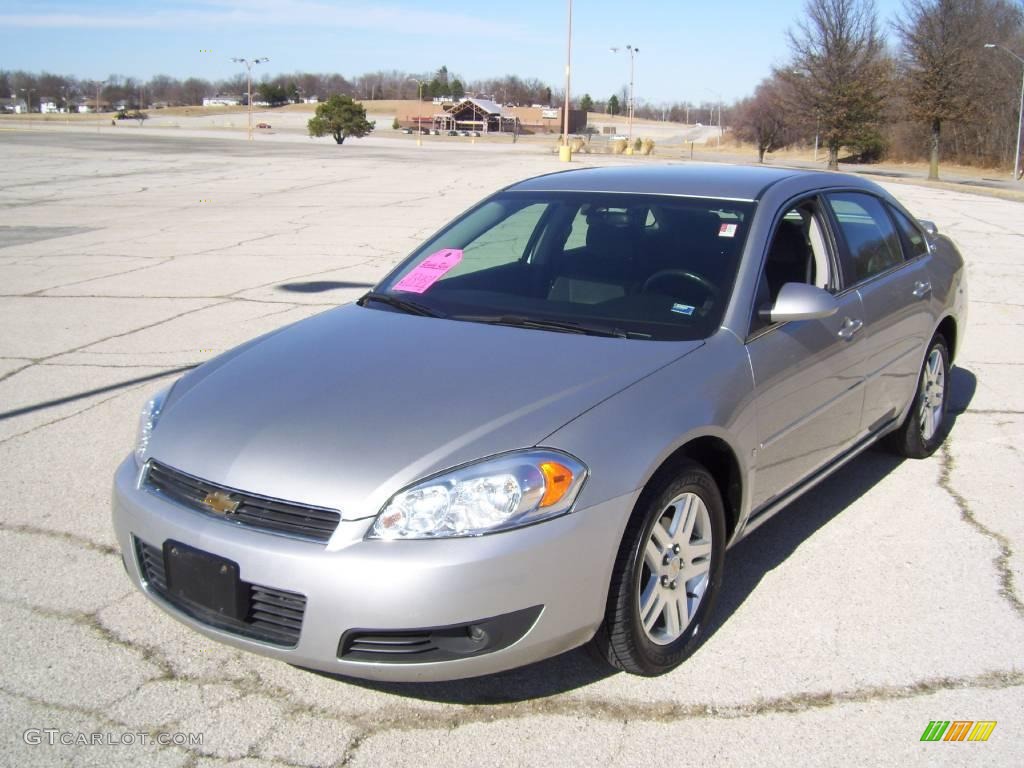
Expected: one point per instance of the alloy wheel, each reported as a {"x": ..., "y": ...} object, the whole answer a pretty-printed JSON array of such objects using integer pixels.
[
  {"x": 676, "y": 564},
  {"x": 933, "y": 394}
]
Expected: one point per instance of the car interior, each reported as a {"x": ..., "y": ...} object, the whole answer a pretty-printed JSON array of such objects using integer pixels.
[
  {"x": 661, "y": 262},
  {"x": 798, "y": 254}
]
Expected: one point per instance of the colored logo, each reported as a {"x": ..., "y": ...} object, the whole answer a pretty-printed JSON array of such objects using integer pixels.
[{"x": 958, "y": 730}]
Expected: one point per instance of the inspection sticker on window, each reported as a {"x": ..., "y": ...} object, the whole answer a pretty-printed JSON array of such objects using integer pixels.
[
  {"x": 727, "y": 230},
  {"x": 429, "y": 271},
  {"x": 682, "y": 309}
]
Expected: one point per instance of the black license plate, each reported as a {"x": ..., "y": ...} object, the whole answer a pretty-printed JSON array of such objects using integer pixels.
[{"x": 205, "y": 581}]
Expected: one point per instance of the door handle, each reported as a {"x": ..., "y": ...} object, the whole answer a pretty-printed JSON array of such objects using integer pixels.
[
  {"x": 850, "y": 327},
  {"x": 921, "y": 289}
]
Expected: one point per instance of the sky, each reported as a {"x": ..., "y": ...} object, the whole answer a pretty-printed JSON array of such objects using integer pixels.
[{"x": 688, "y": 51}]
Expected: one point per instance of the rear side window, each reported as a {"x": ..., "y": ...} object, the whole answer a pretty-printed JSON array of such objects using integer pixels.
[
  {"x": 913, "y": 237},
  {"x": 869, "y": 233}
]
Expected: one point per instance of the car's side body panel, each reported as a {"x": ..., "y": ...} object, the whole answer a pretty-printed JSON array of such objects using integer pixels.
[{"x": 809, "y": 382}]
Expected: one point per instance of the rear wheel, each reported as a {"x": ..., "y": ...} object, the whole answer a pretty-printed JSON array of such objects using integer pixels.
[
  {"x": 667, "y": 575},
  {"x": 926, "y": 426}
]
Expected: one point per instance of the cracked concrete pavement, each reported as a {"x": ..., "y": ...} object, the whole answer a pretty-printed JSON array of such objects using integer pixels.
[{"x": 890, "y": 596}]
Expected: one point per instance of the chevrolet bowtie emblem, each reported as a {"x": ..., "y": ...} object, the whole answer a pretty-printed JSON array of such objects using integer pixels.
[{"x": 220, "y": 503}]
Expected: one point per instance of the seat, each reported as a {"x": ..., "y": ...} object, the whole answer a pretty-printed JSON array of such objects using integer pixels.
[
  {"x": 602, "y": 270},
  {"x": 789, "y": 258}
]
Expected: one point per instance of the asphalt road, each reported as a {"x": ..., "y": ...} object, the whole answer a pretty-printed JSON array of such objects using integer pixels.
[{"x": 890, "y": 597}]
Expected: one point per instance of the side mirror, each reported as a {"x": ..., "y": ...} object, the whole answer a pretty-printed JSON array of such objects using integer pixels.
[
  {"x": 929, "y": 227},
  {"x": 800, "y": 301}
]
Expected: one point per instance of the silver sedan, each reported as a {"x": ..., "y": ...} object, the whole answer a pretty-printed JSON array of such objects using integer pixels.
[{"x": 546, "y": 426}]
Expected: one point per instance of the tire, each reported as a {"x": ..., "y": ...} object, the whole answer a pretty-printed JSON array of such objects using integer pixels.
[
  {"x": 926, "y": 425},
  {"x": 670, "y": 559}
]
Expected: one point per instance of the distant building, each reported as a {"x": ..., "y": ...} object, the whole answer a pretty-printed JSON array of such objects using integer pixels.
[
  {"x": 48, "y": 105},
  {"x": 13, "y": 104},
  {"x": 222, "y": 101},
  {"x": 89, "y": 105},
  {"x": 311, "y": 100},
  {"x": 488, "y": 116}
]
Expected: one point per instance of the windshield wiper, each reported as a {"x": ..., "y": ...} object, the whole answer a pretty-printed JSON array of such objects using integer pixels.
[
  {"x": 403, "y": 305},
  {"x": 562, "y": 326}
]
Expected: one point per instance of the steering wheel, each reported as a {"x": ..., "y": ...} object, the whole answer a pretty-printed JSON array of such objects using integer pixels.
[{"x": 692, "y": 277}]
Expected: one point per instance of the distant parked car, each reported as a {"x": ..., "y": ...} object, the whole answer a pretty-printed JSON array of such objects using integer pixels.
[
  {"x": 474, "y": 133},
  {"x": 262, "y": 125},
  {"x": 434, "y": 132},
  {"x": 452, "y": 133},
  {"x": 407, "y": 130}
]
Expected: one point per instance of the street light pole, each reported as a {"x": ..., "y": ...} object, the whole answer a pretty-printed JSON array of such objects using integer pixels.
[
  {"x": 632, "y": 100},
  {"x": 249, "y": 64},
  {"x": 28, "y": 103},
  {"x": 1018, "y": 172},
  {"x": 419, "y": 101},
  {"x": 568, "y": 69}
]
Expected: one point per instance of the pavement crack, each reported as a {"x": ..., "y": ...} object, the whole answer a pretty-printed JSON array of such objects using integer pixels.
[
  {"x": 1002, "y": 561},
  {"x": 64, "y": 536}
]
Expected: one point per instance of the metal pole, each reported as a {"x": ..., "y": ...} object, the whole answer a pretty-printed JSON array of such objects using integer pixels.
[
  {"x": 248, "y": 97},
  {"x": 630, "y": 133},
  {"x": 568, "y": 69},
  {"x": 1018, "y": 172}
]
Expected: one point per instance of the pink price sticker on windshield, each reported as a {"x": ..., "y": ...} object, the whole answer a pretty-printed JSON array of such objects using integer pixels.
[{"x": 429, "y": 271}]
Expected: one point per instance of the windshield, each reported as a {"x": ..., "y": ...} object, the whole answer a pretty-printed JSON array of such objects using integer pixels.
[{"x": 638, "y": 266}]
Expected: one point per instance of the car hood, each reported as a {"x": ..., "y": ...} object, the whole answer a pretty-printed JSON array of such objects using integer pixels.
[{"x": 343, "y": 409}]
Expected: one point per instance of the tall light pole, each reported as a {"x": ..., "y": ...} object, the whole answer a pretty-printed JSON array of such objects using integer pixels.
[
  {"x": 1018, "y": 172},
  {"x": 716, "y": 94},
  {"x": 568, "y": 79},
  {"x": 249, "y": 64},
  {"x": 99, "y": 86},
  {"x": 28, "y": 103},
  {"x": 633, "y": 51},
  {"x": 419, "y": 100},
  {"x": 817, "y": 116}
]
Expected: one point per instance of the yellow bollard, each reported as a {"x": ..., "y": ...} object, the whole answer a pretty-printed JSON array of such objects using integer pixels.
[{"x": 565, "y": 153}]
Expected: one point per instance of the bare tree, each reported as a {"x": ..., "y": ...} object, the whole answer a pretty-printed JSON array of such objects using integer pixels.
[
  {"x": 763, "y": 119},
  {"x": 941, "y": 45},
  {"x": 839, "y": 70}
]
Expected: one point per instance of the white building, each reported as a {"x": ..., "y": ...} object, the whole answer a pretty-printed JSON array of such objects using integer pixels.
[
  {"x": 222, "y": 101},
  {"x": 48, "y": 105}
]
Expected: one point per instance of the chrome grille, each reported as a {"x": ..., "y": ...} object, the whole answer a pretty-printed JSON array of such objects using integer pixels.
[{"x": 271, "y": 515}]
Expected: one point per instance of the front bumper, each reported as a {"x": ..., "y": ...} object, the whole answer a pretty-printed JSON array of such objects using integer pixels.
[{"x": 563, "y": 565}]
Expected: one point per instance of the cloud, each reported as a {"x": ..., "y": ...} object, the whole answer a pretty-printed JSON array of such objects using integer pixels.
[{"x": 259, "y": 13}]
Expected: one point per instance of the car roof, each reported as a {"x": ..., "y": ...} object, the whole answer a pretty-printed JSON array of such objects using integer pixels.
[{"x": 711, "y": 180}]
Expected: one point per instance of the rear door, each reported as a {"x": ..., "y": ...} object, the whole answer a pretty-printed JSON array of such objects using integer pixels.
[{"x": 889, "y": 269}]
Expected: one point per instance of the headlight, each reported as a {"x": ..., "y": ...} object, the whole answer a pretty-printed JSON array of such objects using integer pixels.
[
  {"x": 494, "y": 495},
  {"x": 147, "y": 423}
]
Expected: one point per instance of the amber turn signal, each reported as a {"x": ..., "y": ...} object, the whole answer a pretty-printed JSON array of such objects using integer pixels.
[{"x": 557, "y": 481}]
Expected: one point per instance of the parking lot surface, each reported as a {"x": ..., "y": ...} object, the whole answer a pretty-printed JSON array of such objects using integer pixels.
[{"x": 888, "y": 597}]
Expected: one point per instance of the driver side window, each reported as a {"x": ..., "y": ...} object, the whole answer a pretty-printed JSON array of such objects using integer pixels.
[{"x": 797, "y": 254}]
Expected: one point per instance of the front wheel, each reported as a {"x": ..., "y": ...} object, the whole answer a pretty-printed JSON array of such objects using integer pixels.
[
  {"x": 925, "y": 427},
  {"x": 666, "y": 576}
]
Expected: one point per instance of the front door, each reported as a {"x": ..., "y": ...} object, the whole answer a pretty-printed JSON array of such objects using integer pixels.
[{"x": 808, "y": 375}]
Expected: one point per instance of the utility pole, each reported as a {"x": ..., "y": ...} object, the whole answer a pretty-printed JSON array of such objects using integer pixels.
[
  {"x": 419, "y": 98},
  {"x": 568, "y": 70},
  {"x": 1018, "y": 172},
  {"x": 633, "y": 51},
  {"x": 249, "y": 64}
]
